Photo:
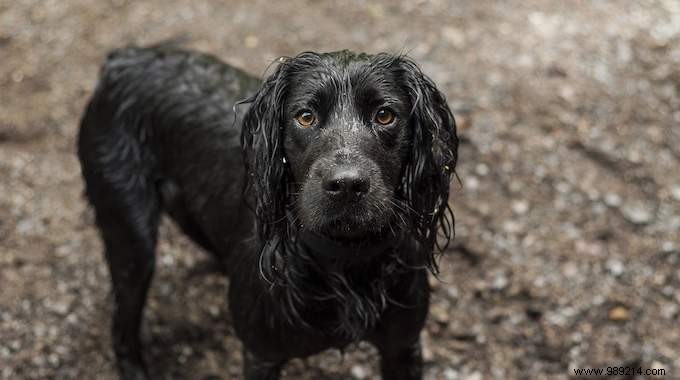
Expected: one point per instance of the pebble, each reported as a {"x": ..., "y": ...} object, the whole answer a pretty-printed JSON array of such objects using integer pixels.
[
  {"x": 615, "y": 267},
  {"x": 61, "y": 308},
  {"x": 476, "y": 375},
  {"x": 454, "y": 36},
  {"x": 482, "y": 169},
  {"x": 428, "y": 355},
  {"x": 658, "y": 365},
  {"x": 452, "y": 292},
  {"x": 637, "y": 214},
  {"x": 520, "y": 207},
  {"x": 439, "y": 313},
  {"x": 669, "y": 311},
  {"x": 668, "y": 247},
  {"x": 500, "y": 281},
  {"x": 358, "y": 372},
  {"x": 72, "y": 319},
  {"x": 619, "y": 313},
  {"x": 451, "y": 374},
  {"x": 612, "y": 200},
  {"x": 30, "y": 227},
  {"x": 570, "y": 270},
  {"x": 563, "y": 187},
  {"x": 512, "y": 227},
  {"x": 251, "y": 41},
  {"x": 471, "y": 183},
  {"x": 675, "y": 192}
]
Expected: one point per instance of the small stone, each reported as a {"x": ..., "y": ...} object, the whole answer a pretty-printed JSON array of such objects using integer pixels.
[
  {"x": 669, "y": 311},
  {"x": 658, "y": 365},
  {"x": 167, "y": 260},
  {"x": 512, "y": 227},
  {"x": 15, "y": 345},
  {"x": 500, "y": 282},
  {"x": 439, "y": 313},
  {"x": 476, "y": 375},
  {"x": 668, "y": 291},
  {"x": 72, "y": 319},
  {"x": 471, "y": 183},
  {"x": 454, "y": 36},
  {"x": 428, "y": 355},
  {"x": 482, "y": 169},
  {"x": 376, "y": 11},
  {"x": 619, "y": 313},
  {"x": 612, "y": 200},
  {"x": 53, "y": 359},
  {"x": 17, "y": 76},
  {"x": 61, "y": 308},
  {"x": 675, "y": 192},
  {"x": 563, "y": 187},
  {"x": 570, "y": 270},
  {"x": 452, "y": 292},
  {"x": 637, "y": 214},
  {"x": 63, "y": 250},
  {"x": 520, "y": 207},
  {"x": 358, "y": 372},
  {"x": 668, "y": 247},
  {"x": 28, "y": 227},
  {"x": 251, "y": 41},
  {"x": 615, "y": 267},
  {"x": 451, "y": 374}
]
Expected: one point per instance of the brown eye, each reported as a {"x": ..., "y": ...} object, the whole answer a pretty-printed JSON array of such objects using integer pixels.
[
  {"x": 305, "y": 119},
  {"x": 384, "y": 116}
]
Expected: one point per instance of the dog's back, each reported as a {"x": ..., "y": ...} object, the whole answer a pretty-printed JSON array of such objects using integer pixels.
[
  {"x": 157, "y": 114},
  {"x": 160, "y": 134}
]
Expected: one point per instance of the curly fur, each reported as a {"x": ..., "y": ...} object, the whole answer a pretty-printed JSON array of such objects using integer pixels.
[
  {"x": 423, "y": 191},
  {"x": 161, "y": 134}
]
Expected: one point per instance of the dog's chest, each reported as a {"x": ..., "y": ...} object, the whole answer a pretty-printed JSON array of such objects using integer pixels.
[{"x": 320, "y": 324}]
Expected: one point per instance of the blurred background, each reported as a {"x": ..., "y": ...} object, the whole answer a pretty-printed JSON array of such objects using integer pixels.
[{"x": 567, "y": 253}]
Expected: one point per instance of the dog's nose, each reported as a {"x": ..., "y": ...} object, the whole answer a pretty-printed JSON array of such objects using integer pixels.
[{"x": 347, "y": 182}]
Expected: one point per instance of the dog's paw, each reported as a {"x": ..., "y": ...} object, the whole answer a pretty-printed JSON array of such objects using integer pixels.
[{"x": 132, "y": 369}]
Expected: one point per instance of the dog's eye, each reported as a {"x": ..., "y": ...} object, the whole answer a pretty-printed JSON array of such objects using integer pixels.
[
  {"x": 305, "y": 118},
  {"x": 384, "y": 116}
]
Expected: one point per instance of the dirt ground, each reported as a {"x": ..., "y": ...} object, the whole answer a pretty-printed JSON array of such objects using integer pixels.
[{"x": 567, "y": 253}]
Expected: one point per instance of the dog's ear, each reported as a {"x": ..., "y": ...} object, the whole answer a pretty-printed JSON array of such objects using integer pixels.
[
  {"x": 432, "y": 161},
  {"x": 262, "y": 144}
]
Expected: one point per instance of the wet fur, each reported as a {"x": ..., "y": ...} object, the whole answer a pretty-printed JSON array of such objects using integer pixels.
[{"x": 180, "y": 132}]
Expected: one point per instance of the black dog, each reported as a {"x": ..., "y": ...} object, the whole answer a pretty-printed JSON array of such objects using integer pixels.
[{"x": 323, "y": 201}]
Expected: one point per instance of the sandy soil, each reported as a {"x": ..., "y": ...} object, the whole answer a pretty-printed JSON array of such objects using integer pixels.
[{"x": 567, "y": 252}]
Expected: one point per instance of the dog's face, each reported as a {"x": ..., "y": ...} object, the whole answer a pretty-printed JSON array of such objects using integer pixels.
[
  {"x": 349, "y": 146},
  {"x": 346, "y": 141}
]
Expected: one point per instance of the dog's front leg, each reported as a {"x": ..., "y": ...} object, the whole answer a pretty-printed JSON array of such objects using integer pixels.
[
  {"x": 402, "y": 363},
  {"x": 255, "y": 368}
]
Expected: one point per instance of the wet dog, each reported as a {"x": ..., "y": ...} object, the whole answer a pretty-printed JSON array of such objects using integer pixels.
[{"x": 322, "y": 191}]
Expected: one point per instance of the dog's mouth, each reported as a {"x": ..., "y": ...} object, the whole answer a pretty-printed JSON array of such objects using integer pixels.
[
  {"x": 351, "y": 223},
  {"x": 342, "y": 248},
  {"x": 344, "y": 231}
]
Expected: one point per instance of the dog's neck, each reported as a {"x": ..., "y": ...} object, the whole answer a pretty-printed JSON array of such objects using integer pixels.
[
  {"x": 350, "y": 282},
  {"x": 327, "y": 251}
]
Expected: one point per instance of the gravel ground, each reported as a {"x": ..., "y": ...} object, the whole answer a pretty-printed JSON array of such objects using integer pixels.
[{"x": 567, "y": 252}]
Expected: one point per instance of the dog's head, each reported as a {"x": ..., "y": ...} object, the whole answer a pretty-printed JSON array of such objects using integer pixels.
[{"x": 352, "y": 147}]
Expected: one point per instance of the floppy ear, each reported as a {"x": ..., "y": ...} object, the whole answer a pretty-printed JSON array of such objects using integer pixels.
[
  {"x": 432, "y": 163},
  {"x": 266, "y": 172}
]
